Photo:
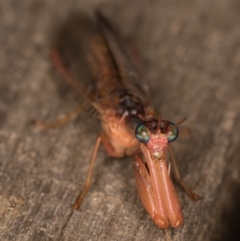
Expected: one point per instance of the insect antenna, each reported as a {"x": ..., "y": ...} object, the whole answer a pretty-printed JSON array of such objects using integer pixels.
[
  {"x": 178, "y": 124},
  {"x": 159, "y": 122}
]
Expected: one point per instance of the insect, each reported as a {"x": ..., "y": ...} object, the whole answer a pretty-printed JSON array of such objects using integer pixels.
[{"x": 92, "y": 58}]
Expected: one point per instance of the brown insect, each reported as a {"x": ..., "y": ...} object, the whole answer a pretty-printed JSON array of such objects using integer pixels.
[{"x": 91, "y": 57}]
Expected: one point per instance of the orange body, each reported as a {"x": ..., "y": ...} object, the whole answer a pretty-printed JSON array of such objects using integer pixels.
[{"x": 90, "y": 56}]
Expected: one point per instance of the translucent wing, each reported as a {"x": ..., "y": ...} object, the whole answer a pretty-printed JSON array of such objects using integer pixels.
[
  {"x": 92, "y": 59},
  {"x": 124, "y": 61}
]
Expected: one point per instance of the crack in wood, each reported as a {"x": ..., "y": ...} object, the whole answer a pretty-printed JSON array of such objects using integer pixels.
[{"x": 65, "y": 224}]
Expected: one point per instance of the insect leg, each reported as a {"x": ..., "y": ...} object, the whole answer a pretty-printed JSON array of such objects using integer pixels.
[
  {"x": 80, "y": 198},
  {"x": 62, "y": 121},
  {"x": 109, "y": 148},
  {"x": 178, "y": 177}
]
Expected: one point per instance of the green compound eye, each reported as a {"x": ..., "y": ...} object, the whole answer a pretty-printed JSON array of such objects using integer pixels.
[
  {"x": 142, "y": 133},
  {"x": 173, "y": 134}
]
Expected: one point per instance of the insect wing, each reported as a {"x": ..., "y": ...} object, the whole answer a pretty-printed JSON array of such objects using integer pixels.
[
  {"x": 81, "y": 55},
  {"x": 125, "y": 62},
  {"x": 93, "y": 60}
]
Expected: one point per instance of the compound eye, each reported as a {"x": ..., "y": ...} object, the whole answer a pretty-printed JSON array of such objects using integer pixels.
[
  {"x": 142, "y": 133},
  {"x": 173, "y": 134}
]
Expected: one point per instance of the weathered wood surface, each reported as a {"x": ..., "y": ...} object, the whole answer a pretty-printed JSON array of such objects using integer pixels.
[{"x": 191, "y": 52}]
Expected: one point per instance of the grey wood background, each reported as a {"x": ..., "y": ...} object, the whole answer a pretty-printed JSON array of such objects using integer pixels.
[{"x": 191, "y": 53}]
